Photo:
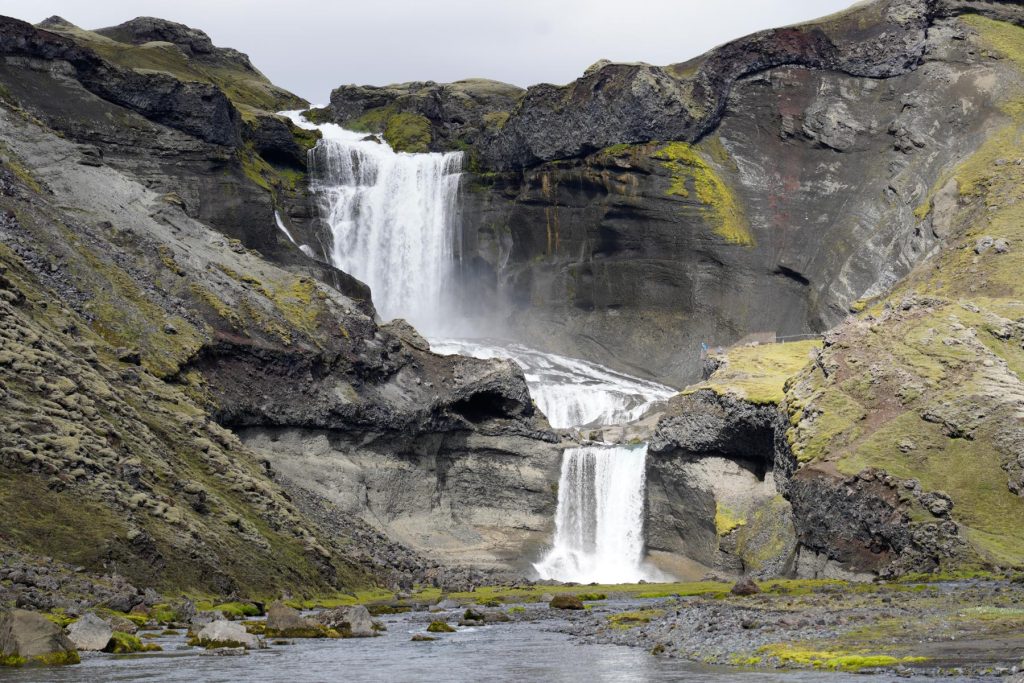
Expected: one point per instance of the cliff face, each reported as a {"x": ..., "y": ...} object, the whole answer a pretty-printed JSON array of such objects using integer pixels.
[
  {"x": 138, "y": 331},
  {"x": 764, "y": 187}
]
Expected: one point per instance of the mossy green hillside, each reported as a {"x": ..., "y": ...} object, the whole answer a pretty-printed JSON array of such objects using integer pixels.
[
  {"x": 926, "y": 384},
  {"x": 758, "y": 374}
]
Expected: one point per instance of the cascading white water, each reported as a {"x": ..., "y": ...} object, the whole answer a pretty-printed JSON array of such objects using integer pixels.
[
  {"x": 599, "y": 522},
  {"x": 569, "y": 391},
  {"x": 393, "y": 221}
]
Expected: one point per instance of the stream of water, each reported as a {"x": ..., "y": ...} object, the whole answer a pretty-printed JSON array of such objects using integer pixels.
[{"x": 515, "y": 651}]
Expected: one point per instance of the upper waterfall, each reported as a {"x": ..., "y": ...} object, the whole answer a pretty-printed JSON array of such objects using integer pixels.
[{"x": 393, "y": 220}]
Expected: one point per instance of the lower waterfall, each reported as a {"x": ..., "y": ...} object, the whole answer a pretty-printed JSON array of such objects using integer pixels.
[{"x": 599, "y": 525}]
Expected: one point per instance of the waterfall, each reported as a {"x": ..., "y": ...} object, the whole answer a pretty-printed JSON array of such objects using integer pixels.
[
  {"x": 394, "y": 224},
  {"x": 600, "y": 517},
  {"x": 393, "y": 221}
]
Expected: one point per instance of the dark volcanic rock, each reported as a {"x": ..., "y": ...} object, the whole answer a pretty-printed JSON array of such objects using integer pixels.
[
  {"x": 195, "y": 108},
  {"x": 745, "y": 586},
  {"x": 566, "y": 602}
]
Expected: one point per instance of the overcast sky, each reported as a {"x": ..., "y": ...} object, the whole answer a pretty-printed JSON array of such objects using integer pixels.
[{"x": 312, "y": 46}]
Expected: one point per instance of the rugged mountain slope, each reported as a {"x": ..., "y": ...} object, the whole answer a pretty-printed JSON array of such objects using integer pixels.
[
  {"x": 763, "y": 187},
  {"x": 899, "y": 447},
  {"x": 926, "y": 385},
  {"x": 137, "y": 331}
]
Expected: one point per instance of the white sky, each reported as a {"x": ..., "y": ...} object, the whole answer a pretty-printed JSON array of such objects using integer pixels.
[{"x": 312, "y": 46}]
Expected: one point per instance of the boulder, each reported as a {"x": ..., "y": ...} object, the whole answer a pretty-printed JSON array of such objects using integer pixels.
[
  {"x": 566, "y": 602},
  {"x": 90, "y": 633},
  {"x": 286, "y": 622},
  {"x": 29, "y": 638},
  {"x": 122, "y": 624},
  {"x": 226, "y": 634},
  {"x": 745, "y": 586},
  {"x": 439, "y": 627},
  {"x": 350, "y": 621}
]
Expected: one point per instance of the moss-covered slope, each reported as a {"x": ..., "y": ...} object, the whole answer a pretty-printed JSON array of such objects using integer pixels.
[{"x": 925, "y": 385}]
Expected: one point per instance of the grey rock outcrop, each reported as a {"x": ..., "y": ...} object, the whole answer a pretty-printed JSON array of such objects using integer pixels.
[
  {"x": 350, "y": 622},
  {"x": 30, "y": 638},
  {"x": 90, "y": 633}
]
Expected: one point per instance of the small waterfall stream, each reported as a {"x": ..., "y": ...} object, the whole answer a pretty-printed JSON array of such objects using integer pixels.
[
  {"x": 600, "y": 518},
  {"x": 394, "y": 224}
]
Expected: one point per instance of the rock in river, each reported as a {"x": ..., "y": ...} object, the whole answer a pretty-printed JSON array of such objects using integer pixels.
[
  {"x": 90, "y": 633},
  {"x": 29, "y": 638}
]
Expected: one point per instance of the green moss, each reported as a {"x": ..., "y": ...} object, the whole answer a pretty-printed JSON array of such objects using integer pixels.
[
  {"x": 1005, "y": 38},
  {"x": 58, "y": 617},
  {"x": 20, "y": 172},
  {"x": 372, "y": 120},
  {"x": 238, "y": 610},
  {"x": 590, "y": 597},
  {"x": 439, "y": 627},
  {"x": 628, "y": 620},
  {"x": 758, "y": 374},
  {"x": 167, "y": 257},
  {"x": 496, "y": 119},
  {"x": 768, "y": 534},
  {"x": 57, "y": 523},
  {"x": 51, "y": 659},
  {"x": 720, "y": 205},
  {"x": 726, "y": 519},
  {"x": 125, "y": 643},
  {"x": 837, "y": 661},
  {"x": 408, "y": 133}
]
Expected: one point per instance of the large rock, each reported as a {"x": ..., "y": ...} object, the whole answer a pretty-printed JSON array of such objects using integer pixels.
[
  {"x": 350, "y": 622},
  {"x": 286, "y": 622},
  {"x": 566, "y": 602},
  {"x": 29, "y": 638},
  {"x": 90, "y": 633},
  {"x": 230, "y": 634}
]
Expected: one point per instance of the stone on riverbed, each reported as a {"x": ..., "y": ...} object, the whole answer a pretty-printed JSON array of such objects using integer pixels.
[
  {"x": 226, "y": 634},
  {"x": 351, "y": 621},
  {"x": 90, "y": 633},
  {"x": 29, "y": 638},
  {"x": 566, "y": 602},
  {"x": 439, "y": 627},
  {"x": 286, "y": 622}
]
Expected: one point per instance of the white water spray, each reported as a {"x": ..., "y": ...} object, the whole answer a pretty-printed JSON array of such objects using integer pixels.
[
  {"x": 393, "y": 221},
  {"x": 569, "y": 391}
]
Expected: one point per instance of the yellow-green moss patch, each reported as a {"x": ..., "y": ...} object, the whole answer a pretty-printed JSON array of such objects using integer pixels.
[
  {"x": 721, "y": 208},
  {"x": 758, "y": 373}
]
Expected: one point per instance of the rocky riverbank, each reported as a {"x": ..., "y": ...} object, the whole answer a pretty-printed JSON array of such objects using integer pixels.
[{"x": 967, "y": 627}]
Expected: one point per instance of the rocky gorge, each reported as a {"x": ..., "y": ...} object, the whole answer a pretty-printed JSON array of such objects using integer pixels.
[{"x": 199, "y": 405}]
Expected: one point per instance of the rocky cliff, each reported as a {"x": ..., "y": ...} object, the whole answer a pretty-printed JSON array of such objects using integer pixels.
[
  {"x": 141, "y": 169},
  {"x": 764, "y": 187}
]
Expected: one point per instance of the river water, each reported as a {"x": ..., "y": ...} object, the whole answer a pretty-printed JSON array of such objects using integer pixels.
[{"x": 515, "y": 651}]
